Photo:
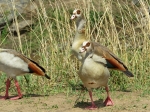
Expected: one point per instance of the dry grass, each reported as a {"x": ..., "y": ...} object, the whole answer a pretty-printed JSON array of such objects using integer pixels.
[{"x": 115, "y": 24}]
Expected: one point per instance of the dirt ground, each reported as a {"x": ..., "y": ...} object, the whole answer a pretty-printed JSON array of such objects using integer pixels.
[{"x": 123, "y": 102}]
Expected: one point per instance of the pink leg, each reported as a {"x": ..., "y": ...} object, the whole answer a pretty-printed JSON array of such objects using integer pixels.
[
  {"x": 93, "y": 106},
  {"x": 19, "y": 92},
  {"x": 108, "y": 101},
  {"x": 7, "y": 89}
]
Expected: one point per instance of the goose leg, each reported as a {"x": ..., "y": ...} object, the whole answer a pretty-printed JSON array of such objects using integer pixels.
[
  {"x": 108, "y": 101},
  {"x": 7, "y": 89},
  {"x": 19, "y": 91},
  {"x": 93, "y": 106},
  {"x": 8, "y": 82}
]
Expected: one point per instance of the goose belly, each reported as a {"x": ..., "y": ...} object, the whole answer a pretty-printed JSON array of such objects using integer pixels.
[
  {"x": 93, "y": 74},
  {"x": 12, "y": 71}
]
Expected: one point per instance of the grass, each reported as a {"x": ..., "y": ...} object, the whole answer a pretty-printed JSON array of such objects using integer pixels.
[{"x": 49, "y": 41}]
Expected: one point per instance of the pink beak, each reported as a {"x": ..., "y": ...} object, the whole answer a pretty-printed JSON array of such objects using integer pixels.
[{"x": 82, "y": 50}]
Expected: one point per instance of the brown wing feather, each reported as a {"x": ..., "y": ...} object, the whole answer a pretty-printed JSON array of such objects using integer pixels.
[
  {"x": 113, "y": 61},
  {"x": 109, "y": 56},
  {"x": 35, "y": 69}
]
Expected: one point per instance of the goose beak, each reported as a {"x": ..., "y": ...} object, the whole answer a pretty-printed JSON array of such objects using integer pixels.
[{"x": 82, "y": 50}]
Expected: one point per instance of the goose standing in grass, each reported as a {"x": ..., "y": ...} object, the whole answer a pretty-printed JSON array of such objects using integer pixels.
[
  {"x": 96, "y": 59},
  {"x": 15, "y": 64}
]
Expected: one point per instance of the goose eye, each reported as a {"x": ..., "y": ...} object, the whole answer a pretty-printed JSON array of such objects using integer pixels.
[{"x": 73, "y": 16}]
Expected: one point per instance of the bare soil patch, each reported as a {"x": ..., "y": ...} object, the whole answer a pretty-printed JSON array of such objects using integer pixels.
[{"x": 123, "y": 102}]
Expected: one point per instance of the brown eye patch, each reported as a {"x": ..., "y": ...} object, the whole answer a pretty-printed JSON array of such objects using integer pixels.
[
  {"x": 88, "y": 44},
  {"x": 78, "y": 11}
]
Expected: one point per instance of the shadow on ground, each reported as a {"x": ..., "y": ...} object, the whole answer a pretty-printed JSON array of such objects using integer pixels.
[
  {"x": 34, "y": 95},
  {"x": 83, "y": 105}
]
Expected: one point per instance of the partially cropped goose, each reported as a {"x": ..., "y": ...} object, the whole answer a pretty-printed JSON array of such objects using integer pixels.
[
  {"x": 94, "y": 57},
  {"x": 14, "y": 64}
]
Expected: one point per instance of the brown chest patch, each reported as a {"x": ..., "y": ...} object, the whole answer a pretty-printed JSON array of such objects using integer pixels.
[{"x": 91, "y": 83}]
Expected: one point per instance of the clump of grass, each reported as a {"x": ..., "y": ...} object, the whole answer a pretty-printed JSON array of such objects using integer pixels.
[{"x": 112, "y": 25}]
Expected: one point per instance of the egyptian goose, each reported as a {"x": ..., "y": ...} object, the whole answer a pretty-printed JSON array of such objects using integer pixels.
[
  {"x": 94, "y": 73},
  {"x": 80, "y": 33},
  {"x": 102, "y": 58},
  {"x": 94, "y": 70},
  {"x": 14, "y": 64}
]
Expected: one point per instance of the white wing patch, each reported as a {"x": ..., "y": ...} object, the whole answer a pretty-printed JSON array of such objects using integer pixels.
[
  {"x": 13, "y": 61},
  {"x": 97, "y": 58}
]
